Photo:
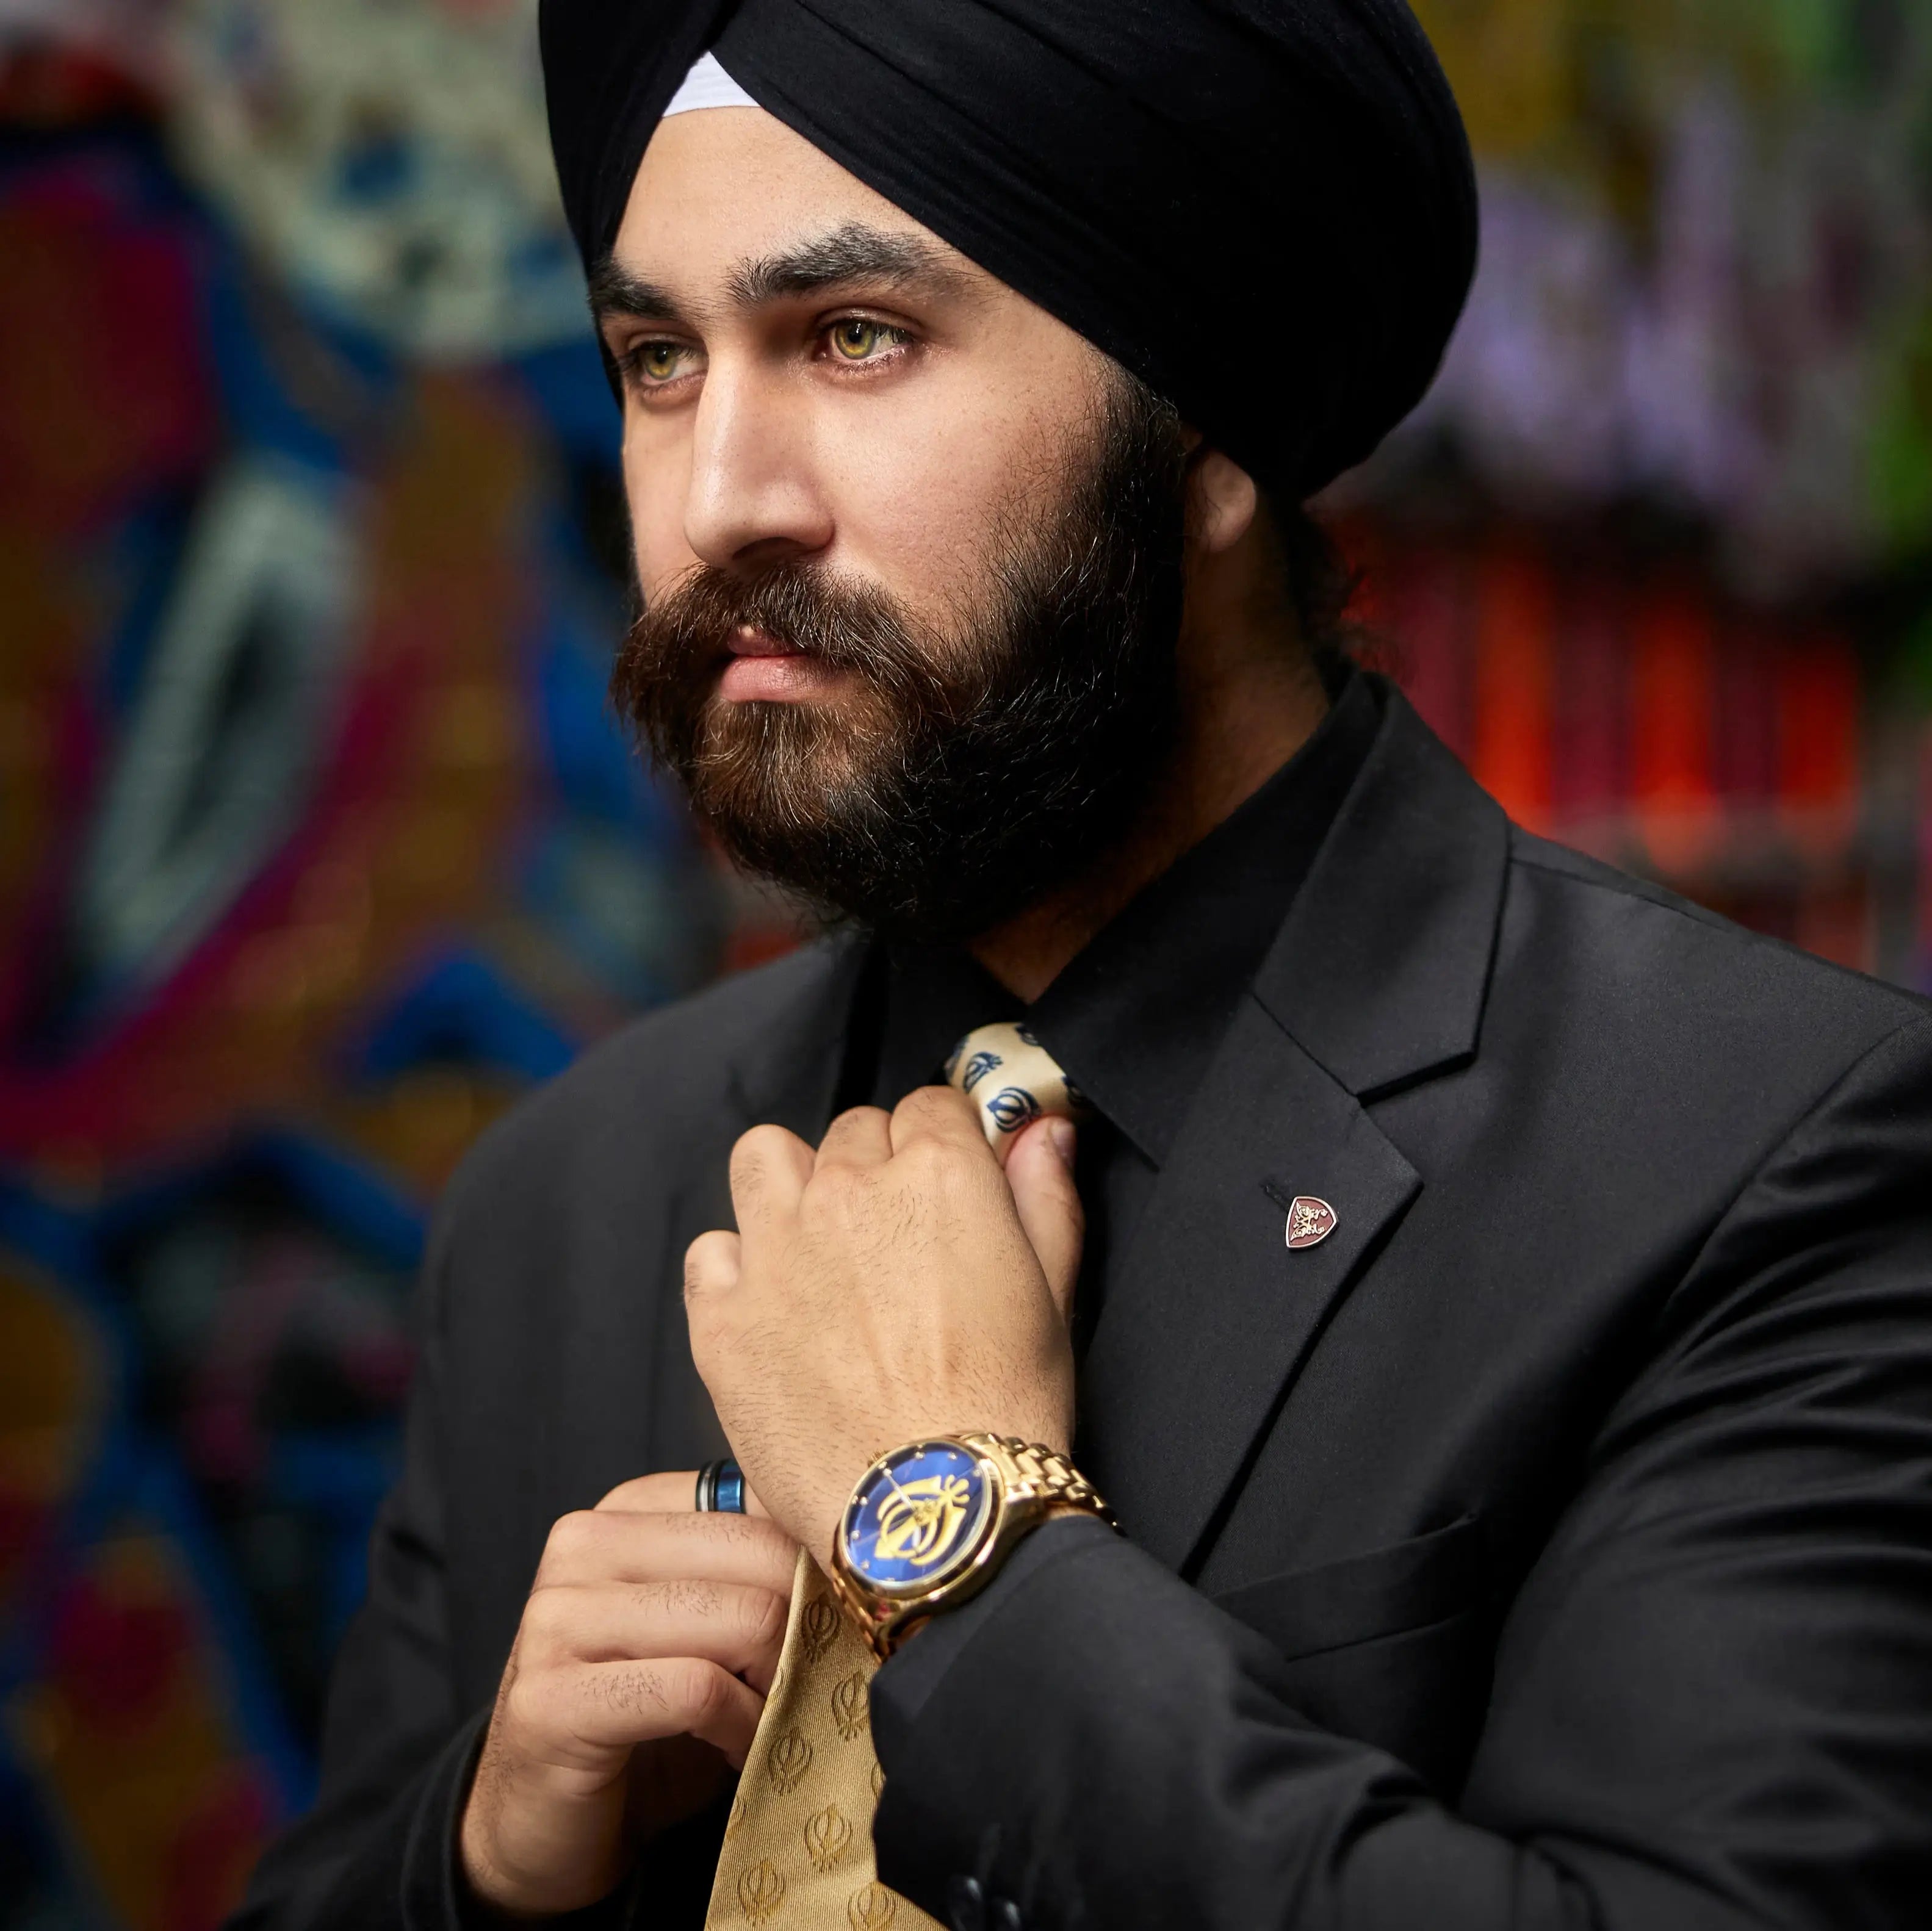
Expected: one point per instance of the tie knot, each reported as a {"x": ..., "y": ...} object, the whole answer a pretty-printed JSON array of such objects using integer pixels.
[{"x": 1012, "y": 1080}]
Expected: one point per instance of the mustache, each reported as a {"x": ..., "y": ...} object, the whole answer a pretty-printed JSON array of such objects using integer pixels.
[
  {"x": 673, "y": 652},
  {"x": 847, "y": 626}
]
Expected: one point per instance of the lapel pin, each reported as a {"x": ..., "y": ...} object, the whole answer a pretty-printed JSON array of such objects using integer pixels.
[{"x": 1310, "y": 1221}]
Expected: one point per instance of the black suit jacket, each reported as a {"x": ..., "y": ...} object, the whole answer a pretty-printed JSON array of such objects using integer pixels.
[{"x": 1551, "y": 1546}]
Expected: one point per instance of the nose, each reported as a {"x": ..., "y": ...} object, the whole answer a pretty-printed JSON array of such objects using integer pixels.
[{"x": 754, "y": 498}]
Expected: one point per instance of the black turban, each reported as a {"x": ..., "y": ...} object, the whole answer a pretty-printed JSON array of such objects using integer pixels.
[{"x": 1264, "y": 209}]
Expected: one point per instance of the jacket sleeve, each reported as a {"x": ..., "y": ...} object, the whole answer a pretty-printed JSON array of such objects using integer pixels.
[
  {"x": 377, "y": 1851},
  {"x": 1712, "y": 1702}
]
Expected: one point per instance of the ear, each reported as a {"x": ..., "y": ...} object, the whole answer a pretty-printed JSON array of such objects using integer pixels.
[{"x": 1221, "y": 500}]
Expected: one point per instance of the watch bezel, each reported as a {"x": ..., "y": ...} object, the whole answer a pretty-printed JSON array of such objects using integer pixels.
[
  {"x": 979, "y": 1538},
  {"x": 1025, "y": 1484}
]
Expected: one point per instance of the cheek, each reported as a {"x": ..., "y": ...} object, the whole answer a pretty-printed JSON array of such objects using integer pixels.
[
  {"x": 919, "y": 506},
  {"x": 972, "y": 455},
  {"x": 654, "y": 474}
]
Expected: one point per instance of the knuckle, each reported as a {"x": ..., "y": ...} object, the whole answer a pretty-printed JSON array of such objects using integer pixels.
[
  {"x": 754, "y": 1151},
  {"x": 576, "y": 1530},
  {"x": 840, "y": 1195},
  {"x": 932, "y": 1107},
  {"x": 936, "y": 1168},
  {"x": 698, "y": 1689},
  {"x": 548, "y": 1616},
  {"x": 527, "y": 1705},
  {"x": 846, "y": 1187},
  {"x": 708, "y": 1260},
  {"x": 926, "y": 1156},
  {"x": 571, "y": 1537},
  {"x": 762, "y": 1617},
  {"x": 694, "y": 1273}
]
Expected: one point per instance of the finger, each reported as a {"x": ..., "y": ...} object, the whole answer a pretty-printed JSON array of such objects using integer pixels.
[
  {"x": 769, "y": 1168},
  {"x": 1039, "y": 1169},
  {"x": 939, "y": 1113},
  {"x": 598, "y": 1545},
  {"x": 861, "y": 1137},
  {"x": 666, "y": 1494},
  {"x": 738, "y": 1628},
  {"x": 711, "y": 1265},
  {"x": 608, "y": 1704},
  {"x": 660, "y": 1494}
]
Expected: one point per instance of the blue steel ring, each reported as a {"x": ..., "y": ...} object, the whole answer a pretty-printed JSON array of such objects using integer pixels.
[{"x": 720, "y": 1487}]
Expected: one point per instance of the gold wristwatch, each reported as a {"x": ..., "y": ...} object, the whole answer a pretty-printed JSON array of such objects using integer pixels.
[{"x": 929, "y": 1524}]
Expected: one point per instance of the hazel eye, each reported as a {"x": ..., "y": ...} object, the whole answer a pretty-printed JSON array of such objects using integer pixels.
[
  {"x": 658, "y": 362},
  {"x": 856, "y": 338}
]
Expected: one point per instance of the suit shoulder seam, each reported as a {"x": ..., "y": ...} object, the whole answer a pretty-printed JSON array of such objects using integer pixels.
[
  {"x": 1663, "y": 900},
  {"x": 1621, "y": 886}
]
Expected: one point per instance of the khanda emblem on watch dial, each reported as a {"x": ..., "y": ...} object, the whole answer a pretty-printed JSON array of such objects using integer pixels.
[{"x": 920, "y": 1520}]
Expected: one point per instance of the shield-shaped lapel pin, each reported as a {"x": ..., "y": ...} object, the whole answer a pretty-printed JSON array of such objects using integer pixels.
[{"x": 1310, "y": 1221}]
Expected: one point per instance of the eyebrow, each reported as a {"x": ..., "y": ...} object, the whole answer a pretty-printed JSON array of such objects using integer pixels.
[
  {"x": 853, "y": 253},
  {"x": 614, "y": 290}
]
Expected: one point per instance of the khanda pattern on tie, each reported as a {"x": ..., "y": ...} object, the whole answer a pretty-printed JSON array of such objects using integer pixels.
[
  {"x": 797, "y": 1854},
  {"x": 1012, "y": 1080}
]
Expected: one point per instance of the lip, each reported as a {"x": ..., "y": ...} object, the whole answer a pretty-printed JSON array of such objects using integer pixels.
[
  {"x": 764, "y": 671},
  {"x": 748, "y": 640}
]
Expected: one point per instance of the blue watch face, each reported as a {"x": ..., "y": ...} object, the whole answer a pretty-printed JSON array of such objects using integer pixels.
[{"x": 916, "y": 1518}]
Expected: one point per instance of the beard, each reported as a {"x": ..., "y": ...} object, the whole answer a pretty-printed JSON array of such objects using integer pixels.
[{"x": 969, "y": 767}]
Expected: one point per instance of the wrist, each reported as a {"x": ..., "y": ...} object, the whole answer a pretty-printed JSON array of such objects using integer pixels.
[
  {"x": 579, "y": 1861},
  {"x": 503, "y": 1898},
  {"x": 494, "y": 1889}
]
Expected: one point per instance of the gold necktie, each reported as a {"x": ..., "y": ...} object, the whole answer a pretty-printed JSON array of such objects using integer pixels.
[{"x": 798, "y": 1849}]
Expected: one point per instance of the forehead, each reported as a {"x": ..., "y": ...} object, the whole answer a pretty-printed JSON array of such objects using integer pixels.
[{"x": 721, "y": 185}]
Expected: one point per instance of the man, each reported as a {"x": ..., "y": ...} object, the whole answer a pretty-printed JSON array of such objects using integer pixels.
[{"x": 1503, "y": 1328}]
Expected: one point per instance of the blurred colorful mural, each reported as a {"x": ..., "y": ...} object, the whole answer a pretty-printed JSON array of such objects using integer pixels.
[
  {"x": 1656, "y": 555},
  {"x": 318, "y": 845}
]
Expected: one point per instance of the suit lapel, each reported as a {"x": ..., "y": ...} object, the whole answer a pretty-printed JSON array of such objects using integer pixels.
[
  {"x": 1376, "y": 981},
  {"x": 684, "y": 1431},
  {"x": 1203, "y": 1333},
  {"x": 787, "y": 1076}
]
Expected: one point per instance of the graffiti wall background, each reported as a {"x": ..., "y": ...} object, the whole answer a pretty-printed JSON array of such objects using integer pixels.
[{"x": 317, "y": 845}]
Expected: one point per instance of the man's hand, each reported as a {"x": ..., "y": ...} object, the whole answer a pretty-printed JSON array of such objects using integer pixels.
[
  {"x": 632, "y": 1690},
  {"x": 896, "y": 1285}
]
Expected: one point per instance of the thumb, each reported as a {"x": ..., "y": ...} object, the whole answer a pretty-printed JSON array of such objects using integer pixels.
[{"x": 1039, "y": 1170}]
